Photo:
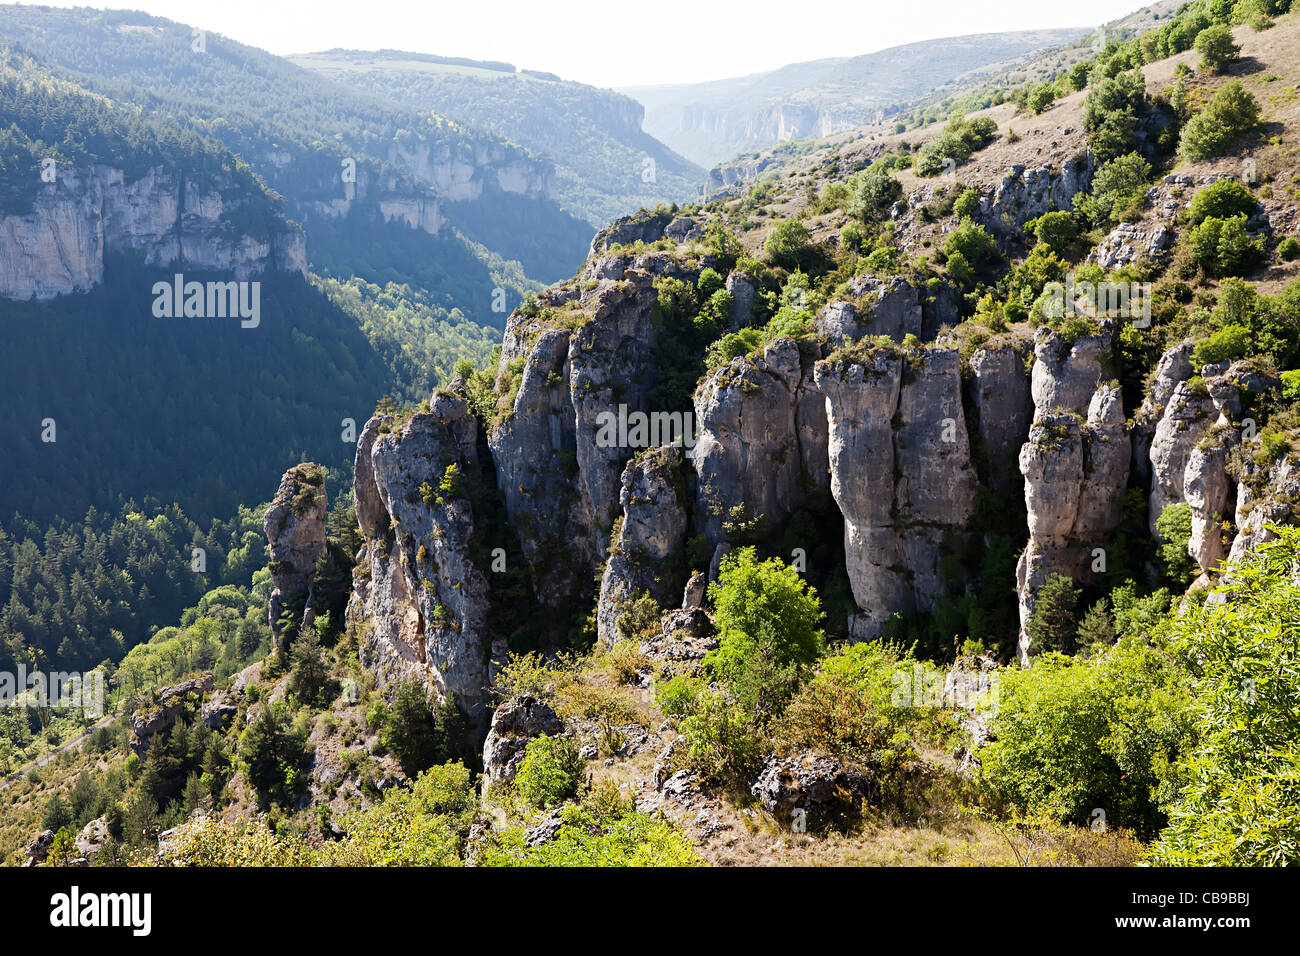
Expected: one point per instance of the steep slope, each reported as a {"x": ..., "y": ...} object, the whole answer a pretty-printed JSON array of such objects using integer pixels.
[
  {"x": 330, "y": 151},
  {"x": 710, "y": 122},
  {"x": 119, "y": 385},
  {"x": 605, "y": 165}
]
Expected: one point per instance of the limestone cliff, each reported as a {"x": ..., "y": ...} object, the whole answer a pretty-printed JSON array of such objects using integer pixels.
[
  {"x": 420, "y": 595},
  {"x": 59, "y": 246}
]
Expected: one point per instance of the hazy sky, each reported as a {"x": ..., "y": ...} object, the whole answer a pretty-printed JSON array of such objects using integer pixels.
[{"x": 619, "y": 42}]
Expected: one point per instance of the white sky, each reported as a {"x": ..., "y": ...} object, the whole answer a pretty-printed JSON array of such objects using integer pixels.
[{"x": 619, "y": 42}]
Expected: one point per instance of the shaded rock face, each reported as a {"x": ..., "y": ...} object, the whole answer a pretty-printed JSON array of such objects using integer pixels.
[
  {"x": 741, "y": 289},
  {"x": 559, "y": 474},
  {"x": 295, "y": 529},
  {"x": 762, "y": 429},
  {"x": 900, "y": 473},
  {"x": 1075, "y": 473},
  {"x": 1187, "y": 416},
  {"x": 1000, "y": 396},
  {"x": 420, "y": 600},
  {"x": 651, "y": 535},
  {"x": 890, "y": 307},
  {"x": 808, "y": 791},
  {"x": 59, "y": 246},
  {"x": 514, "y": 723},
  {"x": 1174, "y": 366},
  {"x": 1026, "y": 193}
]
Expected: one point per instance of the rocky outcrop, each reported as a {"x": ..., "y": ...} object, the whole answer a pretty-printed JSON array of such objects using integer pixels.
[
  {"x": 1066, "y": 374},
  {"x": 59, "y": 246},
  {"x": 648, "y": 539},
  {"x": 643, "y": 226},
  {"x": 889, "y": 307},
  {"x": 420, "y": 598},
  {"x": 295, "y": 530},
  {"x": 1027, "y": 193},
  {"x": 999, "y": 396},
  {"x": 1075, "y": 471},
  {"x": 559, "y": 450},
  {"x": 161, "y": 714},
  {"x": 1174, "y": 366},
  {"x": 1188, "y": 415},
  {"x": 514, "y": 723},
  {"x": 762, "y": 429},
  {"x": 809, "y": 791},
  {"x": 900, "y": 473}
]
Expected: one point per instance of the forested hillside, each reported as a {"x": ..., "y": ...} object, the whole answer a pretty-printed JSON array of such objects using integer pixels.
[{"x": 606, "y": 165}]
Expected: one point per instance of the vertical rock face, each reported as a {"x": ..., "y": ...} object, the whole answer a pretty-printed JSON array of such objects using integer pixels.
[
  {"x": 420, "y": 600},
  {"x": 1267, "y": 495},
  {"x": 741, "y": 289},
  {"x": 890, "y": 307},
  {"x": 1075, "y": 467},
  {"x": 1000, "y": 396},
  {"x": 759, "y": 434},
  {"x": 1025, "y": 194},
  {"x": 59, "y": 246},
  {"x": 557, "y": 466},
  {"x": 651, "y": 535},
  {"x": 1066, "y": 375},
  {"x": 1187, "y": 417},
  {"x": 295, "y": 529},
  {"x": 1175, "y": 366},
  {"x": 1209, "y": 493},
  {"x": 900, "y": 473}
]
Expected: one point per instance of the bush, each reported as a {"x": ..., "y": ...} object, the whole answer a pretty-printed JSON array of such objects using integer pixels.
[
  {"x": 1222, "y": 200},
  {"x": 1041, "y": 97},
  {"x": 755, "y": 600},
  {"x": 1288, "y": 249},
  {"x": 973, "y": 243},
  {"x": 551, "y": 771},
  {"x": 1174, "y": 529},
  {"x": 955, "y": 144},
  {"x": 1119, "y": 183},
  {"x": 586, "y": 838},
  {"x": 1216, "y": 47},
  {"x": 872, "y": 192},
  {"x": 967, "y": 204},
  {"x": 1236, "y": 803},
  {"x": 1075, "y": 736},
  {"x": 722, "y": 744},
  {"x": 425, "y": 824},
  {"x": 1231, "y": 114},
  {"x": 789, "y": 245},
  {"x": 1226, "y": 345},
  {"x": 1057, "y": 231},
  {"x": 678, "y": 696},
  {"x": 1223, "y": 247},
  {"x": 1111, "y": 112}
]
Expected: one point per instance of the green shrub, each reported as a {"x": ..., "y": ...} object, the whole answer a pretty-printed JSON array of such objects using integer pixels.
[
  {"x": 722, "y": 744},
  {"x": 1236, "y": 803},
  {"x": 1074, "y": 736},
  {"x": 1222, "y": 200},
  {"x": 872, "y": 192},
  {"x": 586, "y": 838},
  {"x": 967, "y": 204},
  {"x": 789, "y": 245},
  {"x": 1231, "y": 114},
  {"x": 1118, "y": 184},
  {"x": 1223, "y": 247},
  {"x": 955, "y": 144},
  {"x": 677, "y": 696},
  {"x": 1057, "y": 231},
  {"x": 1216, "y": 47},
  {"x": 1288, "y": 249},
  {"x": 551, "y": 771},
  {"x": 1174, "y": 529}
]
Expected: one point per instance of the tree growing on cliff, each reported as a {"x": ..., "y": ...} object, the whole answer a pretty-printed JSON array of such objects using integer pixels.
[{"x": 1053, "y": 624}]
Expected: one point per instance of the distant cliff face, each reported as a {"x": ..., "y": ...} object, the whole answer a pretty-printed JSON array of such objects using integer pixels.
[{"x": 59, "y": 246}]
